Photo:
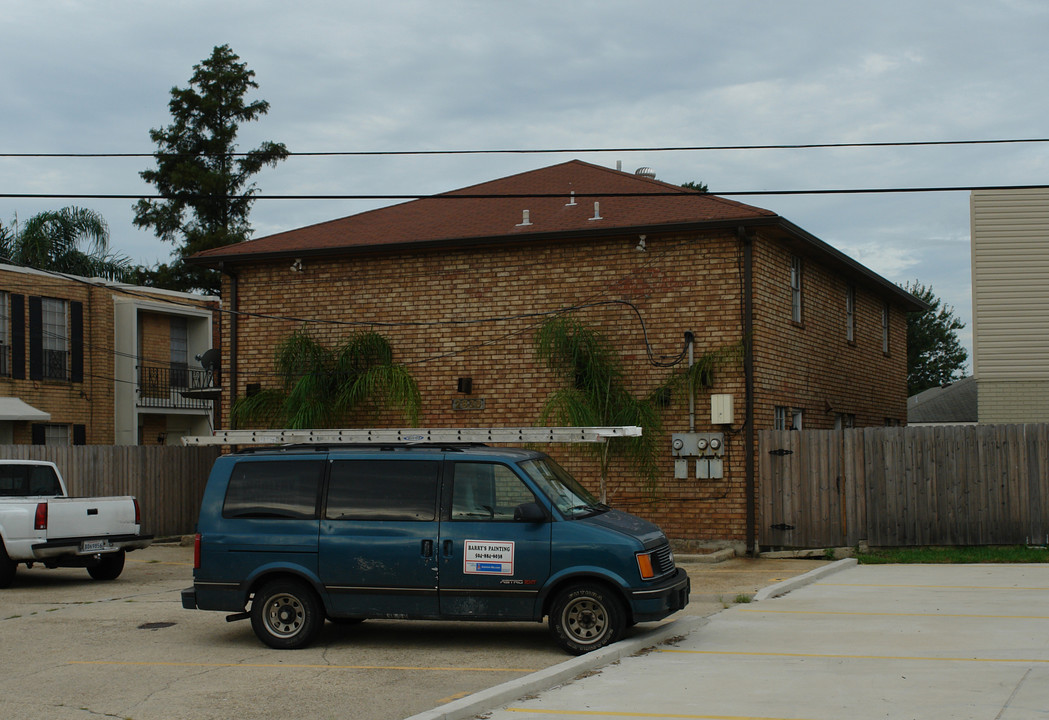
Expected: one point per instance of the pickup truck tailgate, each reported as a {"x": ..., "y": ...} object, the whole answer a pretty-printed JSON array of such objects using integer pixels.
[{"x": 90, "y": 517}]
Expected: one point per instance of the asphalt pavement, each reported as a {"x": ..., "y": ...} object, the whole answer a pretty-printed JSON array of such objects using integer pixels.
[
  {"x": 843, "y": 641},
  {"x": 72, "y": 647}
]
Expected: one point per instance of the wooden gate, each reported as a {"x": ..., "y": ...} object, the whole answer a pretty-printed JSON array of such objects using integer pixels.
[{"x": 946, "y": 485}]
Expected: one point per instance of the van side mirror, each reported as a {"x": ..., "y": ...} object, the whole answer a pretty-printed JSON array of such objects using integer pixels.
[{"x": 529, "y": 512}]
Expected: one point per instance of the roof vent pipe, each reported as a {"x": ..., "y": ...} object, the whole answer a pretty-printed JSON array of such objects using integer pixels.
[
  {"x": 524, "y": 219},
  {"x": 571, "y": 200},
  {"x": 597, "y": 212}
]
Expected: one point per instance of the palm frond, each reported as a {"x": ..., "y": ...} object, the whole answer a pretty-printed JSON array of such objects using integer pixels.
[
  {"x": 362, "y": 351},
  {"x": 263, "y": 409},
  {"x": 381, "y": 386},
  {"x": 299, "y": 355}
]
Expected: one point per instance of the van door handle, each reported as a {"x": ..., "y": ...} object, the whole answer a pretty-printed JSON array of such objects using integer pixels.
[
  {"x": 427, "y": 548},
  {"x": 447, "y": 548}
]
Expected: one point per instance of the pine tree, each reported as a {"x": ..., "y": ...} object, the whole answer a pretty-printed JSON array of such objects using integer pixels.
[{"x": 204, "y": 181}]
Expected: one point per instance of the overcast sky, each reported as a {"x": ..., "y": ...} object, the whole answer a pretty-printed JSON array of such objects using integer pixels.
[{"x": 477, "y": 75}]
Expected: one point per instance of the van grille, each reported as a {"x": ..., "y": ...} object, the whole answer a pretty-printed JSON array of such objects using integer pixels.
[{"x": 663, "y": 559}]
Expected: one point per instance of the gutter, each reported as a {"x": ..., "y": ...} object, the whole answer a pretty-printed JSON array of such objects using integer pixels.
[
  {"x": 791, "y": 233},
  {"x": 233, "y": 317},
  {"x": 749, "y": 441}
]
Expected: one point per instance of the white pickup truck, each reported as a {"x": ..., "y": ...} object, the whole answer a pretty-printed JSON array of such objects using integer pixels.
[{"x": 40, "y": 524}]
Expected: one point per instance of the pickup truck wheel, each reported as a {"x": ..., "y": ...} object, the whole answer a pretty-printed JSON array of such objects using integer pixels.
[
  {"x": 108, "y": 567},
  {"x": 286, "y": 614},
  {"x": 7, "y": 568},
  {"x": 586, "y": 617}
]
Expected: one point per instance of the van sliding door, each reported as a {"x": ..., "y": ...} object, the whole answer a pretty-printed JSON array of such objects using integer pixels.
[{"x": 378, "y": 536}]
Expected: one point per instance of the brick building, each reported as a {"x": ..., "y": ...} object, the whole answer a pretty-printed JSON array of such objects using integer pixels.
[
  {"x": 87, "y": 361},
  {"x": 458, "y": 283}
]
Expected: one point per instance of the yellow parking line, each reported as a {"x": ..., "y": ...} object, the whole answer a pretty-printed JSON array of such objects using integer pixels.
[
  {"x": 934, "y": 587},
  {"x": 303, "y": 667},
  {"x": 612, "y": 714},
  {"x": 854, "y": 657},
  {"x": 884, "y": 614},
  {"x": 445, "y": 701}
]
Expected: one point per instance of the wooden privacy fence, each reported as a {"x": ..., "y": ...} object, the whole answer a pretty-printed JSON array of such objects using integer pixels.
[
  {"x": 942, "y": 485},
  {"x": 168, "y": 481}
]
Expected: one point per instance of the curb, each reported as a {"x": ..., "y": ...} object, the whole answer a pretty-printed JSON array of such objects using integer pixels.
[
  {"x": 486, "y": 700},
  {"x": 782, "y": 588},
  {"x": 714, "y": 557}
]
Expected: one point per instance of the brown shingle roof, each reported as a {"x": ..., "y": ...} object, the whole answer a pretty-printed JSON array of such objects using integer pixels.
[{"x": 472, "y": 215}]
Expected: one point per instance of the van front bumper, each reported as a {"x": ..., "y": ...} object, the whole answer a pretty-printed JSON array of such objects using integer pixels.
[{"x": 662, "y": 599}]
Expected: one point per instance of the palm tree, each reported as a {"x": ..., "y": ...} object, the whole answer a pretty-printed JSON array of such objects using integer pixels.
[
  {"x": 595, "y": 394},
  {"x": 321, "y": 387},
  {"x": 53, "y": 240}
]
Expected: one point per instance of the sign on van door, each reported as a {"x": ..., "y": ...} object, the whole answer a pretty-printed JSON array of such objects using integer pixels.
[{"x": 490, "y": 564}]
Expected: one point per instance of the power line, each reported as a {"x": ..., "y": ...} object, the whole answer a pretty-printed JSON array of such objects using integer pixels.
[
  {"x": 511, "y": 196},
  {"x": 551, "y": 151},
  {"x": 533, "y": 317}
]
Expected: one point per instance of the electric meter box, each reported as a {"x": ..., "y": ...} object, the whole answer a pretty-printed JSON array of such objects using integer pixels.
[{"x": 721, "y": 410}]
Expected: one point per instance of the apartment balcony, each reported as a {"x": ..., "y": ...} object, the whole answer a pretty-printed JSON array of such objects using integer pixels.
[{"x": 175, "y": 388}]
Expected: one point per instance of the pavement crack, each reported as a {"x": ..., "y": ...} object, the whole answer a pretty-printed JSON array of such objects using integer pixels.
[{"x": 1013, "y": 695}]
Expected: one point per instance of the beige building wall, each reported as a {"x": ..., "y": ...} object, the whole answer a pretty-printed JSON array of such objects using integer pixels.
[{"x": 1010, "y": 278}]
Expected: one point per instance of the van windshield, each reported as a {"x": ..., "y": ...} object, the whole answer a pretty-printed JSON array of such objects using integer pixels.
[{"x": 567, "y": 495}]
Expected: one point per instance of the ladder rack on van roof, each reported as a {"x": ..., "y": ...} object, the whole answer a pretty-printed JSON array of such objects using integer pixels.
[{"x": 414, "y": 436}]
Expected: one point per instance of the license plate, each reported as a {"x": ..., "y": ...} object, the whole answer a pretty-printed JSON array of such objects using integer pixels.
[{"x": 94, "y": 546}]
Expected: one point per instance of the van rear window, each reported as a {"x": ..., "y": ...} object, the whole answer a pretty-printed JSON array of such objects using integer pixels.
[
  {"x": 282, "y": 489},
  {"x": 383, "y": 490}
]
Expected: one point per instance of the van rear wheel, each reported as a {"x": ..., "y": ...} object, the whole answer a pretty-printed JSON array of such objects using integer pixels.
[
  {"x": 586, "y": 617},
  {"x": 286, "y": 614}
]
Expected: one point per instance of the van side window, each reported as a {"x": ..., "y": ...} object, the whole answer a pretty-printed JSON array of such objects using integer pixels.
[
  {"x": 383, "y": 490},
  {"x": 486, "y": 491},
  {"x": 285, "y": 489}
]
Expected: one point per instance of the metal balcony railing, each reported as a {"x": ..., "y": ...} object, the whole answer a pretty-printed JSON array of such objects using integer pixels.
[{"x": 162, "y": 387}]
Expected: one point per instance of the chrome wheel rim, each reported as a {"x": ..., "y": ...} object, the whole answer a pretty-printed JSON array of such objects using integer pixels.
[{"x": 284, "y": 615}]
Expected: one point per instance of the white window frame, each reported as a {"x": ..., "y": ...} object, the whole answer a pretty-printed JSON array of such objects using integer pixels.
[
  {"x": 785, "y": 414},
  {"x": 179, "y": 351},
  {"x": 5, "y": 334},
  {"x": 885, "y": 328},
  {"x": 850, "y": 313},
  {"x": 796, "y": 270},
  {"x": 54, "y": 314},
  {"x": 57, "y": 435}
]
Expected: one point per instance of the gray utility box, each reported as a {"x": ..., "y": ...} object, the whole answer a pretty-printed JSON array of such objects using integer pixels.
[{"x": 707, "y": 449}]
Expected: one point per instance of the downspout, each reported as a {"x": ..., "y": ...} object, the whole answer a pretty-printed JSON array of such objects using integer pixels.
[
  {"x": 748, "y": 381},
  {"x": 231, "y": 378}
]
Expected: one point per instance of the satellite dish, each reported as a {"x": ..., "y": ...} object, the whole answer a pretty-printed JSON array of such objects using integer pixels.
[{"x": 210, "y": 360}]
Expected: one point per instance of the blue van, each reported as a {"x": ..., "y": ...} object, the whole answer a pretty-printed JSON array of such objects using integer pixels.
[{"x": 435, "y": 532}]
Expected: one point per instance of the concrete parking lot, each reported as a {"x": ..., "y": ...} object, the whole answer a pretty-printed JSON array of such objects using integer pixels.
[
  {"x": 941, "y": 642},
  {"x": 72, "y": 647}
]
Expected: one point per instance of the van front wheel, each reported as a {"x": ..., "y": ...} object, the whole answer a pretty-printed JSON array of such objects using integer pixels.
[
  {"x": 586, "y": 617},
  {"x": 286, "y": 614}
]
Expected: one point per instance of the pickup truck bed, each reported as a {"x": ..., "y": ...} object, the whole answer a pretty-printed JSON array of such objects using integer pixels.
[{"x": 40, "y": 524}]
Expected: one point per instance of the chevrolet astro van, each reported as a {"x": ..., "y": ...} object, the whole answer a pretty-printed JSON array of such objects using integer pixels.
[{"x": 291, "y": 536}]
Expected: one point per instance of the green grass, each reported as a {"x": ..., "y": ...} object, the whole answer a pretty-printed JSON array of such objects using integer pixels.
[{"x": 941, "y": 555}]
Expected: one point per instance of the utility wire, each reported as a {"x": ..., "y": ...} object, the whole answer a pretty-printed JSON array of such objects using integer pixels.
[
  {"x": 550, "y": 151},
  {"x": 511, "y": 196}
]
